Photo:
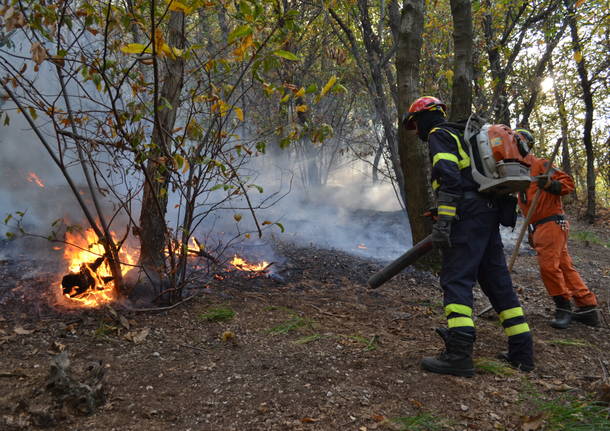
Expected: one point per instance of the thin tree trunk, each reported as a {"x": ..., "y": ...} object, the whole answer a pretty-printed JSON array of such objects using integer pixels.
[
  {"x": 154, "y": 202},
  {"x": 373, "y": 78},
  {"x": 538, "y": 75},
  {"x": 414, "y": 157},
  {"x": 461, "y": 96},
  {"x": 373, "y": 51},
  {"x": 587, "y": 95},
  {"x": 566, "y": 164}
]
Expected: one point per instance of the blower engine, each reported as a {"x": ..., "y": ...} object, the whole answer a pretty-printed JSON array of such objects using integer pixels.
[{"x": 497, "y": 157}]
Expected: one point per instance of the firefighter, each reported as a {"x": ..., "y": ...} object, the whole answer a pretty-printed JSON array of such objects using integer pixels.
[
  {"x": 467, "y": 232},
  {"x": 549, "y": 230}
]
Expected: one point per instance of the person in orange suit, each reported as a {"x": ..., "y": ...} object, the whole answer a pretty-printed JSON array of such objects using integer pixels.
[{"x": 550, "y": 239}]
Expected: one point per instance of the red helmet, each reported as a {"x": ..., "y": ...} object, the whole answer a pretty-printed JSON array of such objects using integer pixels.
[{"x": 426, "y": 103}]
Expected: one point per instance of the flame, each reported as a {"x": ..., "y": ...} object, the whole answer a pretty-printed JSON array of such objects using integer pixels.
[
  {"x": 362, "y": 246},
  {"x": 33, "y": 178},
  {"x": 243, "y": 265},
  {"x": 86, "y": 250}
]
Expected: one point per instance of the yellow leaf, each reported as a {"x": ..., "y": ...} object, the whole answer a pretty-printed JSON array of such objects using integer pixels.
[
  {"x": 186, "y": 166},
  {"x": 176, "y": 6},
  {"x": 300, "y": 93},
  {"x": 237, "y": 217},
  {"x": 302, "y": 108},
  {"x": 135, "y": 48},
  {"x": 239, "y": 113},
  {"x": 328, "y": 86},
  {"x": 449, "y": 75},
  {"x": 170, "y": 51},
  {"x": 247, "y": 235},
  {"x": 578, "y": 56},
  {"x": 579, "y": 3}
]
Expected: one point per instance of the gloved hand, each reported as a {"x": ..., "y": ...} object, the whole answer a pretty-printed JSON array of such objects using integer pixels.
[
  {"x": 441, "y": 232},
  {"x": 447, "y": 207},
  {"x": 548, "y": 185}
]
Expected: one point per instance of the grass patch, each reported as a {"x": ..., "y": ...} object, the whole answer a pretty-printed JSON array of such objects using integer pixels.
[
  {"x": 566, "y": 412},
  {"x": 589, "y": 237},
  {"x": 574, "y": 415},
  {"x": 105, "y": 330},
  {"x": 368, "y": 343},
  {"x": 421, "y": 422},
  {"x": 309, "y": 339},
  {"x": 569, "y": 342},
  {"x": 292, "y": 324},
  {"x": 497, "y": 368},
  {"x": 218, "y": 314}
]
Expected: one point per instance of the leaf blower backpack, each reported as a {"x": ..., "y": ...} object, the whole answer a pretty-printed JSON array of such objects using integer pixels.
[{"x": 497, "y": 155}]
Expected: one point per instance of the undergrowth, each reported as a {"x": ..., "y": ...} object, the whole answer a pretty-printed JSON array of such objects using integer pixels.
[
  {"x": 569, "y": 342},
  {"x": 421, "y": 422},
  {"x": 589, "y": 237},
  {"x": 565, "y": 413},
  {"x": 490, "y": 366},
  {"x": 292, "y": 324},
  {"x": 218, "y": 314}
]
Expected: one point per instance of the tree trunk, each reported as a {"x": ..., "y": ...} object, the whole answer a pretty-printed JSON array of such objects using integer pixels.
[
  {"x": 374, "y": 54},
  {"x": 154, "y": 202},
  {"x": 587, "y": 94},
  {"x": 414, "y": 157},
  {"x": 566, "y": 165},
  {"x": 463, "y": 72}
]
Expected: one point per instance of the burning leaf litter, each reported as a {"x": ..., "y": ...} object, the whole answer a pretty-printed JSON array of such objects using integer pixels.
[{"x": 33, "y": 178}]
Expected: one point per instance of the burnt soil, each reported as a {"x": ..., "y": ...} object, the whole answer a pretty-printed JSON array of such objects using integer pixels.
[{"x": 309, "y": 349}]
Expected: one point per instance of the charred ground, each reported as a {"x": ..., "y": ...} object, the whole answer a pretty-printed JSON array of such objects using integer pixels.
[{"x": 311, "y": 349}]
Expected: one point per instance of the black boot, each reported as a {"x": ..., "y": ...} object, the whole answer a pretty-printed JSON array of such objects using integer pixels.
[
  {"x": 520, "y": 352},
  {"x": 587, "y": 315},
  {"x": 456, "y": 359},
  {"x": 563, "y": 313}
]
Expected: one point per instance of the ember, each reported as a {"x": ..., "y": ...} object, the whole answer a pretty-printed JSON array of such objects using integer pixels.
[
  {"x": 33, "y": 178},
  {"x": 362, "y": 246},
  {"x": 89, "y": 282}
]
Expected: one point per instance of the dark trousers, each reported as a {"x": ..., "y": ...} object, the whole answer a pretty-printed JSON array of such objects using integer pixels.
[{"x": 477, "y": 254}]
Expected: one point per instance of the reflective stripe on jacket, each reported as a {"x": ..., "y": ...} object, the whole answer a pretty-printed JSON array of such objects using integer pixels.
[{"x": 449, "y": 161}]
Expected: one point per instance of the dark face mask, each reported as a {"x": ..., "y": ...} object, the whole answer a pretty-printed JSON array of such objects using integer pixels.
[{"x": 426, "y": 121}]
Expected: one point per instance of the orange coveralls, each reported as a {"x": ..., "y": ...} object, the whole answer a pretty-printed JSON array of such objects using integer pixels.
[{"x": 551, "y": 238}]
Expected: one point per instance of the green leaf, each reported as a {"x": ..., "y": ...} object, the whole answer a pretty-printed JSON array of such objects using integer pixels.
[
  {"x": 286, "y": 54},
  {"x": 10, "y": 235},
  {"x": 7, "y": 119},
  {"x": 312, "y": 88},
  {"x": 8, "y": 218},
  {"x": 239, "y": 32},
  {"x": 284, "y": 143},
  {"x": 179, "y": 161},
  {"x": 281, "y": 226},
  {"x": 261, "y": 147},
  {"x": 245, "y": 9},
  {"x": 217, "y": 187}
]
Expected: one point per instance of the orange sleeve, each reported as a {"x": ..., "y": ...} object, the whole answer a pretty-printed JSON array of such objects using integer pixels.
[{"x": 567, "y": 183}]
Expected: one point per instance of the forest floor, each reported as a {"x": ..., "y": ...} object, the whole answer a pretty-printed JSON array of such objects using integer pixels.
[{"x": 315, "y": 350}]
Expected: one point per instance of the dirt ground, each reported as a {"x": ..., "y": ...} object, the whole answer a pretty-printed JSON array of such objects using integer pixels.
[{"x": 309, "y": 349}]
